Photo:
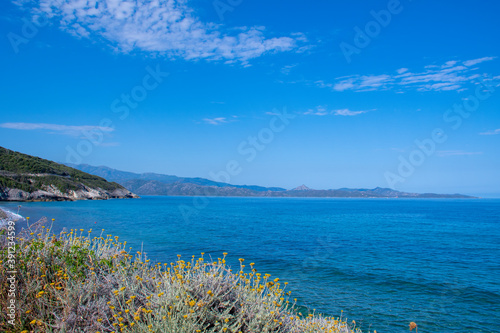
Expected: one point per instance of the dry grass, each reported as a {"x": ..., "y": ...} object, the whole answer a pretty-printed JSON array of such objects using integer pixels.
[{"x": 73, "y": 282}]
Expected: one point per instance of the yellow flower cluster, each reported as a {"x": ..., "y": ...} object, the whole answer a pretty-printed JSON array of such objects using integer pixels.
[{"x": 184, "y": 296}]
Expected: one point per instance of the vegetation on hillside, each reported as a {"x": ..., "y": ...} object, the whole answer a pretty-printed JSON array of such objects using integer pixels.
[
  {"x": 73, "y": 282},
  {"x": 30, "y": 173}
]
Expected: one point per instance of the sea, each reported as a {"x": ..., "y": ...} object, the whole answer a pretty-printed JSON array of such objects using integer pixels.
[{"x": 381, "y": 262}]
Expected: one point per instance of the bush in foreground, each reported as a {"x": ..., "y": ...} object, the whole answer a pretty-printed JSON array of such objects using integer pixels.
[{"x": 72, "y": 282}]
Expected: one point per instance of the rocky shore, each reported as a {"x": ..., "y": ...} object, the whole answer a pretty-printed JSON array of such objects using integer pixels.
[{"x": 51, "y": 193}]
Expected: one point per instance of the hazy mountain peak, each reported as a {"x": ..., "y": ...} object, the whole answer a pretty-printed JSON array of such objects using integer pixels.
[{"x": 302, "y": 188}]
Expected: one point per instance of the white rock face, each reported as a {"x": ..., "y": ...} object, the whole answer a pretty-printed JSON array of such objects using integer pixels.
[{"x": 51, "y": 193}]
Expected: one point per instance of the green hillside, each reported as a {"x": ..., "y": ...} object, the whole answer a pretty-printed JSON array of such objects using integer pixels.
[{"x": 30, "y": 173}]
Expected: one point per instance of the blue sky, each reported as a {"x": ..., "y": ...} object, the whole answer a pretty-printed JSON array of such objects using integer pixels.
[{"x": 402, "y": 94}]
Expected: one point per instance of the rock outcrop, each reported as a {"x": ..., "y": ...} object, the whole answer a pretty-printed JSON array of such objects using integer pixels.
[
  {"x": 51, "y": 193},
  {"x": 29, "y": 178}
]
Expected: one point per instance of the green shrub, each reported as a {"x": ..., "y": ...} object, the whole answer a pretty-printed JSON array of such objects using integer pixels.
[
  {"x": 75, "y": 283},
  {"x": 59, "y": 175}
]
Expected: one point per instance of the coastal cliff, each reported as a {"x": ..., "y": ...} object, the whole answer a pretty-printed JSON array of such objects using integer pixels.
[
  {"x": 28, "y": 178},
  {"x": 51, "y": 193}
]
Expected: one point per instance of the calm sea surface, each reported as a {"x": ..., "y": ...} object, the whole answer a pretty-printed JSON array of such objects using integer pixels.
[{"x": 383, "y": 262}]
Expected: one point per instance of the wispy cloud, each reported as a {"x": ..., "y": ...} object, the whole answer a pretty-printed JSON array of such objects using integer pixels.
[
  {"x": 493, "y": 132},
  {"x": 165, "y": 27},
  {"x": 448, "y": 64},
  {"x": 287, "y": 69},
  {"x": 347, "y": 112},
  {"x": 220, "y": 120},
  {"x": 56, "y": 129},
  {"x": 318, "y": 111},
  {"x": 215, "y": 121},
  {"x": 323, "y": 111},
  {"x": 477, "y": 61},
  {"x": 273, "y": 113},
  {"x": 452, "y": 75},
  {"x": 446, "y": 153}
]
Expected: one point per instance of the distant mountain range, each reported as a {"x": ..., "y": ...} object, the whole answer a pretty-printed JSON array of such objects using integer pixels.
[
  {"x": 158, "y": 184},
  {"x": 140, "y": 179}
]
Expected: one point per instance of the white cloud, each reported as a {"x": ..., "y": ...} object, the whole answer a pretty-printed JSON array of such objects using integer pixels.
[
  {"x": 477, "y": 61},
  {"x": 287, "y": 69},
  {"x": 165, "y": 27},
  {"x": 363, "y": 83},
  {"x": 219, "y": 120},
  {"x": 341, "y": 86},
  {"x": 273, "y": 113},
  {"x": 322, "y": 111},
  {"x": 347, "y": 112},
  {"x": 55, "y": 128},
  {"x": 452, "y": 75},
  {"x": 446, "y": 153},
  {"x": 374, "y": 81},
  {"x": 319, "y": 111},
  {"x": 494, "y": 132},
  {"x": 321, "y": 84},
  {"x": 450, "y": 63}
]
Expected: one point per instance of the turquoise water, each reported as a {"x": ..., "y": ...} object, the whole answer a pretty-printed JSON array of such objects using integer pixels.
[{"x": 383, "y": 262}]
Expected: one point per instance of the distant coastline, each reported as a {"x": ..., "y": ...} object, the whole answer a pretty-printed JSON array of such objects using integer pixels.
[
  {"x": 191, "y": 190},
  {"x": 29, "y": 178},
  {"x": 170, "y": 185}
]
